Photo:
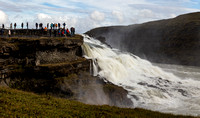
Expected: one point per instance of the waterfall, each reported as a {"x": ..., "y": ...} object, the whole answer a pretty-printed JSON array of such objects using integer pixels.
[{"x": 148, "y": 86}]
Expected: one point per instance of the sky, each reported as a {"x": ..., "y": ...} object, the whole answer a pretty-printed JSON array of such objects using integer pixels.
[{"x": 88, "y": 14}]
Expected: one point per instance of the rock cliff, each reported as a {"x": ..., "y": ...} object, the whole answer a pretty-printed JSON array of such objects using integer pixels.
[{"x": 55, "y": 66}]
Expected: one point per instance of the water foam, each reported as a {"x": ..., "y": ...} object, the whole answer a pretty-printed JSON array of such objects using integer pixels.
[{"x": 148, "y": 86}]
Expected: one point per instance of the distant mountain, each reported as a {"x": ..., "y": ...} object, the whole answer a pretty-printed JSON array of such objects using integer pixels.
[{"x": 175, "y": 41}]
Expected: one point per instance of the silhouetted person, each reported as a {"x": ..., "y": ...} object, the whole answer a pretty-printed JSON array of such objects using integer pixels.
[
  {"x": 22, "y": 25},
  {"x": 59, "y": 32},
  {"x": 72, "y": 31},
  {"x": 63, "y": 32},
  {"x": 64, "y": 25},
  {"x": 41, "y": 26},
  {"x": 56, "y": 25},
  {"x": 10, "y": 25},
  {"x": 27, "y": 25},
  {"x": 3, "y": 26},
  {"x": 45, "y": 30},
  {"x": 51, "y": 25},
  {"x": 59, "y": 25},
  {"x": 36, "y": 25},
  {"x": 15, "y": 25},
  {"x": 68, "y": 32},
  {"x": 47, "y": 25}
]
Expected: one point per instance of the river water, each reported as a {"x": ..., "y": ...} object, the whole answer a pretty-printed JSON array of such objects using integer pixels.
[{"x": 184, "y": 72}]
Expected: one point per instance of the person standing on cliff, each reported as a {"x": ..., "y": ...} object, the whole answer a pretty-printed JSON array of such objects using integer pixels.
[
  {"x": 59, "y": 32},
  {"x": 15, "y": 25},
  {"x": 27, "y": 25},
  {"x": 47, "y": 25},
  {"x": 22, "y": 25},
  {"x": 68, "y": 32},
  {"x": 2, "y": 26},
  {"x": 58, "y": 25},
  {"x": 10, "y": 25},
  {"x": 64, "y": 25},
  {"x": 36, "y": 25},
  {"x": 51, "y": 26},
  {"x": 45, "y": 30},
  {"x": 41, "y": 25},
  {"x": 72, "y": 31}
]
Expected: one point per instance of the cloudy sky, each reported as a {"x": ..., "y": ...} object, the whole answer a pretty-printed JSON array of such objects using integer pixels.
[{"x": 87, "y": 14}]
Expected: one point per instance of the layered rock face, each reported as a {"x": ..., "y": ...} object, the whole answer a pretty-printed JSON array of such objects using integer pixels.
[
  {"x": 55, "y": 66},
  {"x": 175, "y": 41},
  {"x": 40, "y": 58}
]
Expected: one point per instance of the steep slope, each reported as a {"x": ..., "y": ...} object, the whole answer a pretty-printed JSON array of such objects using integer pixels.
[
  {"x": 15, "y": 103},
  {"x": 166, "y": 41}
]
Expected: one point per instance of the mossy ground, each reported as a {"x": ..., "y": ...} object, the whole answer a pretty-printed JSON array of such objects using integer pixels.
[{"x": 15, "y": 103}]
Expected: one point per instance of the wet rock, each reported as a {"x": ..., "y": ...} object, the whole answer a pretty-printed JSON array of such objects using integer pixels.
[
  {"x": 183, "y": 92},
  {"x": 117, "y": 96}
]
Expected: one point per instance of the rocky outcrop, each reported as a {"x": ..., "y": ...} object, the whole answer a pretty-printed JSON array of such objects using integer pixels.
[
  {"x": 93, "y": 90},
  {"x": 55, "y": 66},
  {"x": 174, "y": 41},
  {"x": 40, "y": 59}
]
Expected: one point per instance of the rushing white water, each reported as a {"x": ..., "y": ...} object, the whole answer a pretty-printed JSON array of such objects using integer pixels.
[{"x": 148, "y": 86}]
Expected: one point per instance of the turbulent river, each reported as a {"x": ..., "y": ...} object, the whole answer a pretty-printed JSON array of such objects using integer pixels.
[{"x": 164, "y": 88}]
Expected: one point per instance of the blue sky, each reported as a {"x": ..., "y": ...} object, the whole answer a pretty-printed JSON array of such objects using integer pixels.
[{"x": 88, "y": 14}]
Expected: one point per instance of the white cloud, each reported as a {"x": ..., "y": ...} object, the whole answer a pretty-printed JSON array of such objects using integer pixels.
[
  {"x": 119, "y": 16},
  {"x": 97, "y": 16},
  {"x": 146, "y": 13},
  {"x": 139, "y": 13},
  {"x": 43, "y": 17},
  {"x": 3, "y": 17}
]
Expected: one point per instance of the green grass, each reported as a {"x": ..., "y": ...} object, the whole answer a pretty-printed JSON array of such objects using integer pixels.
[{"x": 15, "y": 103}]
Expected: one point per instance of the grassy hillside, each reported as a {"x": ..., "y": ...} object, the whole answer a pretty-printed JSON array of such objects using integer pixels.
[{"x": 15, "y": 103}]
